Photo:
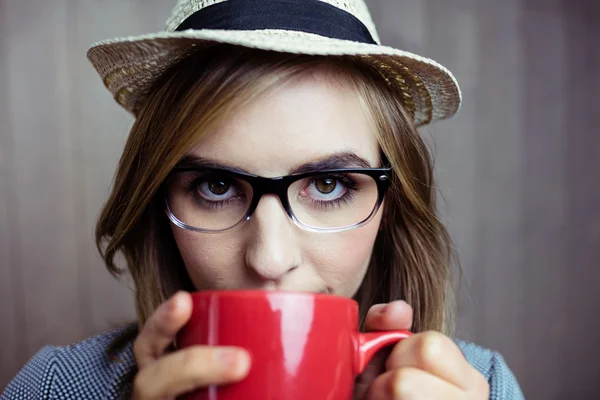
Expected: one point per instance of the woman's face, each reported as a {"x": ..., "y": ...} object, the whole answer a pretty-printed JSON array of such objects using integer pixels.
[{"x": 307, "y": 120}]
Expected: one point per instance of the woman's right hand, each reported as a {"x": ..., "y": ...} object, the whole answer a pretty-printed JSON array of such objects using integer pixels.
[{"x": 166, "y": 375}]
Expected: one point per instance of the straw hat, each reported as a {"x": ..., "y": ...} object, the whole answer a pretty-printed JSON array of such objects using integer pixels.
[{"x": 129, "y": 66}]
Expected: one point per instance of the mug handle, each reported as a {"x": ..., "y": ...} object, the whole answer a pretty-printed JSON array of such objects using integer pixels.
[{"x": 367, "y": 344}]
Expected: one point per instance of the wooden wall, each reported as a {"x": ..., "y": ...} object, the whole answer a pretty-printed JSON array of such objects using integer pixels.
[{"x": 518, "y": 169}]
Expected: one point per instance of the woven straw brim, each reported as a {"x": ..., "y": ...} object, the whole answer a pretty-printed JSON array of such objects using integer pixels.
[{"x": 129, "y": 66}]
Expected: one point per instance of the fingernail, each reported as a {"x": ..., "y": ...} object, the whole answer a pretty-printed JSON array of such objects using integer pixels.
[
  {"x": 379, "y": 308},
  {"x": 234, "y": 359},
  {"x": 175, "y": 300},
  {"x": 394, "y": 306}
]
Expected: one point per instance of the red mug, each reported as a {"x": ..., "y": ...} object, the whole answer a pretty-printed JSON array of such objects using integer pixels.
[{"x": 302, "y": 345}]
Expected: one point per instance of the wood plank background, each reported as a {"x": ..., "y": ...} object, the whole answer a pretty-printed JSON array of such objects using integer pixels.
[{"x": 518, "y": 169}]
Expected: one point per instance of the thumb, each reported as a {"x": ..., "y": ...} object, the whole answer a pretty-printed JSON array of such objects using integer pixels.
[{"x": 397, "y": 315}]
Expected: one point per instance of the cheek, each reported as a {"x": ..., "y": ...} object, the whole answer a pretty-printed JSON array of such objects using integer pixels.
[
  {"x": 209, "y": 259},
  {"x": 342, "y": 259}
]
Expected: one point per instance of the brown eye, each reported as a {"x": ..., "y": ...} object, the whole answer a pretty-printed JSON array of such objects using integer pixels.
[
  {"x": 326, "y": 185},
  {"x": 218, "y": 188}
]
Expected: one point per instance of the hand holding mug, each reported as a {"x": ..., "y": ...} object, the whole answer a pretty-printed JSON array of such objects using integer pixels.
[
  {"x": 164, "y": 375},
  {"x": 427, "y": 365}
]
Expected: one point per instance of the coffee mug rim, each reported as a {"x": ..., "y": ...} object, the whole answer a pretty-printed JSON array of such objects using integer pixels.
[{"x": 261, "y": 293}]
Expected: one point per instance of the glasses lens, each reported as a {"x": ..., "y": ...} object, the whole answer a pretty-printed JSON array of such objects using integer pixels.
[
  {"x": 208, "y": 200},
  {"x": 333, "y": 200}
]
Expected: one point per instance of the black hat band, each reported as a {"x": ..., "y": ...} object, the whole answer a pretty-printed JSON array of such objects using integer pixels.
[{"x": 311, "y": 16}]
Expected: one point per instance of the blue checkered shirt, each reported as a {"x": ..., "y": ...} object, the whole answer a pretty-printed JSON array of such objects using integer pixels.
[{"x": 85, "y": 371}]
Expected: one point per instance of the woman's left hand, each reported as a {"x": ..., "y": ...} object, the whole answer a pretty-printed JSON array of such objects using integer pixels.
[{"x": 427, "y": 365}]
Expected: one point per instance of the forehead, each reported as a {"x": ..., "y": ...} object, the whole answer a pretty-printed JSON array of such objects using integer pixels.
[{"x": 292, "y": 124}]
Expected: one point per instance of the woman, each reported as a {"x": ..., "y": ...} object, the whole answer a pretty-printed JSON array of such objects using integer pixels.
[{"x": 241, "y": 91}]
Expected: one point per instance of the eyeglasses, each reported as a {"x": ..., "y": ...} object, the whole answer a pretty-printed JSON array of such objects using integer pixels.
[{"x": 215, "y": 200}]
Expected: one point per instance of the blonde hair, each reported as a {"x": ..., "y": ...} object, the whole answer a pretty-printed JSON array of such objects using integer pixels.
[{"x": 412, "y": 255}]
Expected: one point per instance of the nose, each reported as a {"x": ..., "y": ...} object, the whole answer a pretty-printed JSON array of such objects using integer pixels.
[{"x": 273, "y": 249}]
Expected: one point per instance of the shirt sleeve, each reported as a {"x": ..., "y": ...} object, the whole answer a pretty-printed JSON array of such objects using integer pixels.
[
  {"x": 502, "y": 381},
  {"x": 491, "y": 364},
  {"x": 35, "y": 380}
]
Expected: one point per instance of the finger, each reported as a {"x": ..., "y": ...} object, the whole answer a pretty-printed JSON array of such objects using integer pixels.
[
  {"x": 186, "y": 370},
  {"x": 395, "y": 315},
  {"x": 436, "y": 354},
  {"x": 162, "y": 327},
  {"x": 412, "y": 383}
]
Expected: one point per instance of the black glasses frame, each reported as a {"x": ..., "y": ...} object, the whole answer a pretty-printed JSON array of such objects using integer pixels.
[{"x": 279, "y": 186}]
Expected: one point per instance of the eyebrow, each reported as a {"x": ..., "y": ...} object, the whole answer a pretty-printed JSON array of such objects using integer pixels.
[
  {"x": 192, "y": 162},
  {"x": 332, "y": 161}
]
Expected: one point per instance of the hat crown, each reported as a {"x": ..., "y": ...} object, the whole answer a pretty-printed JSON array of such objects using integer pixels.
[{"x": 185, "y": 8}]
